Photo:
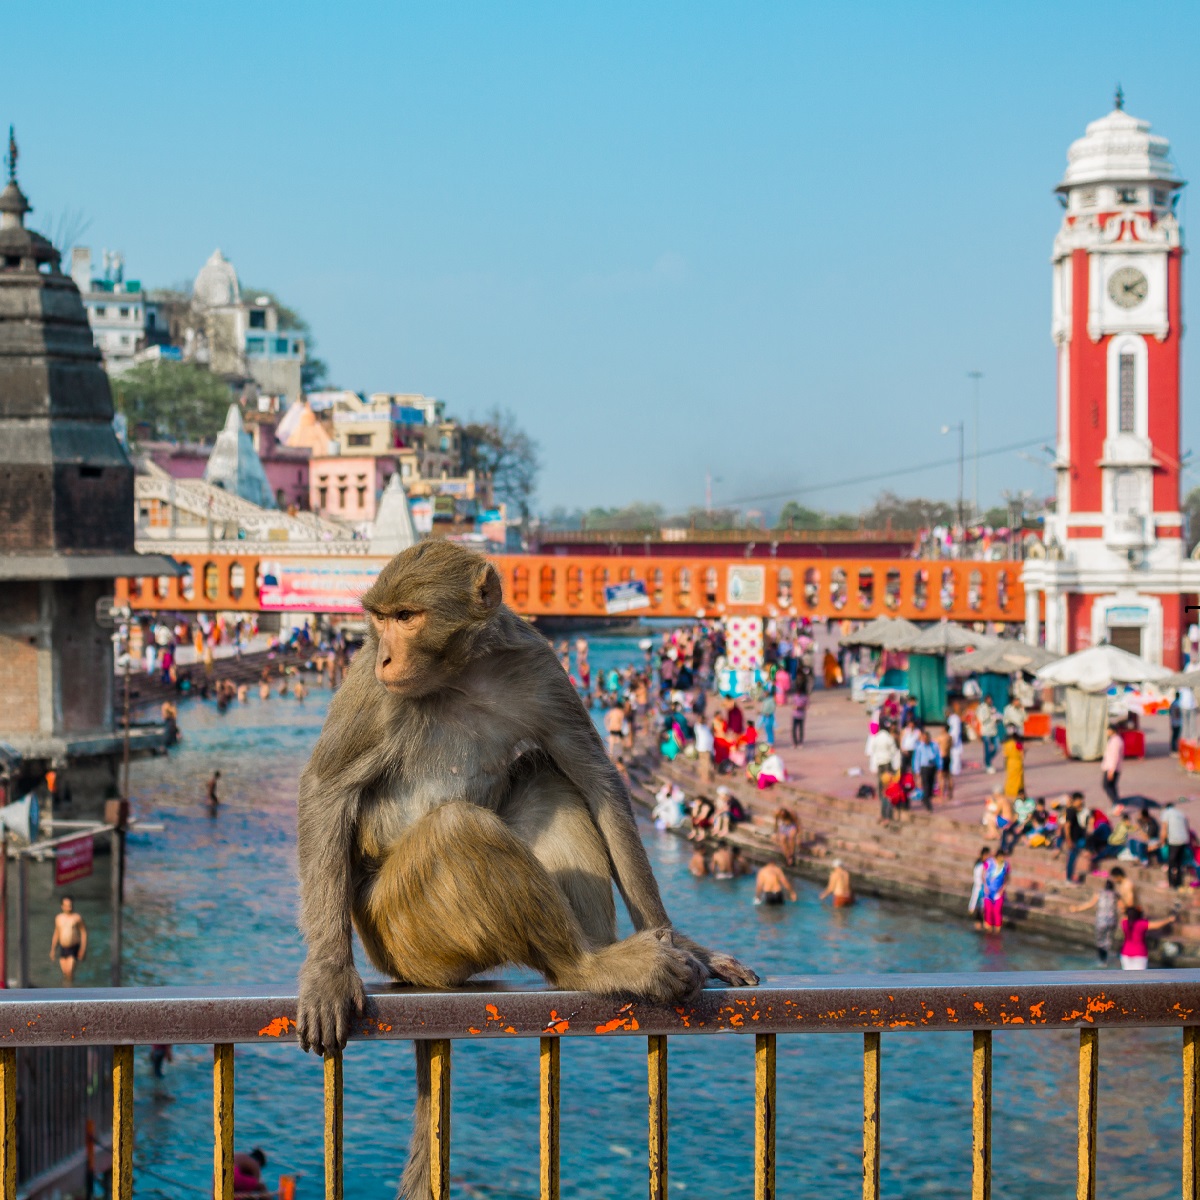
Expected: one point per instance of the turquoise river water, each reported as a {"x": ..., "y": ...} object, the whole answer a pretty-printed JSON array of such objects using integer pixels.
[{"x": 212, "y": 901}]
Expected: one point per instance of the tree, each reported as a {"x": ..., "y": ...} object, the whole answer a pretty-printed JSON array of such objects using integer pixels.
[
  {"x": 181, "y": 401},
  {"x": 638, "y": 516},
  {"x": 498, "y": 446},
  {"x": 896, "y": 512},
  {"x": 314, "y": 372}
]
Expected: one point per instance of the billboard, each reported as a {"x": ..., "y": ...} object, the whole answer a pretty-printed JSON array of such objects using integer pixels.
[
  {"x": 626, "y": 596},
  {"x": 312, "y": 585},
  {"x": 746, "y": 585},
  {"x": 73, "y": 860}
]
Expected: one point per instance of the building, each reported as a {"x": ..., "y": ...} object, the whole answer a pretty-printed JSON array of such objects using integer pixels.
[
  {"x": 1115, "y": 568},
  {"x": 349, "y": 486},
  {"x": 115, "y": 307},
  {"x": 66, "y": 495},
  {"x": 242, "y": 339}
]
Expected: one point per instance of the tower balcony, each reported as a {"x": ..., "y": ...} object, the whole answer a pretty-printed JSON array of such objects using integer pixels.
[{"x": 1128, "y": 531}]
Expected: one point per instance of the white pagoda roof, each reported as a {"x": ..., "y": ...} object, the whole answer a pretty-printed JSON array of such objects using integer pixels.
[
  {"x": 393, "y": 530},
  {"x": 235, "y": 466}
]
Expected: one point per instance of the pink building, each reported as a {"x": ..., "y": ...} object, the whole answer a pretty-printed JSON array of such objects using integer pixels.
[{"x": 348, "y": 486}]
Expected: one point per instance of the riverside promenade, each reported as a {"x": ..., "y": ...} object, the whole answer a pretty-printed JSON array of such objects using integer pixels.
[{"x": 926, "y": 858}]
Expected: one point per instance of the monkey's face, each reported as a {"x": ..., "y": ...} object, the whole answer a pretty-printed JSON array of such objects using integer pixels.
[{"x": 403, "y": 662}]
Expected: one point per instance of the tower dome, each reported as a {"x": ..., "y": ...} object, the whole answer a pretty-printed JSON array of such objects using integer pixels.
[
  {"x": 216, "y": 283},
  {"x": 1119, "y": 148}
]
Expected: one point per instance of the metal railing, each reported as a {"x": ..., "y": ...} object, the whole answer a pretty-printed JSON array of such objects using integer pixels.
[{"x": 875, "y": 1006}]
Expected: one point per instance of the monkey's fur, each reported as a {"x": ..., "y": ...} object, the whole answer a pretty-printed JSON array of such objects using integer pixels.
[{"x": 460, "y": 810}]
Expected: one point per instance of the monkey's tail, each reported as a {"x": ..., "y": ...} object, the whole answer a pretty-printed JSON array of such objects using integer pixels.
[{"x": 414, "y": 1185}]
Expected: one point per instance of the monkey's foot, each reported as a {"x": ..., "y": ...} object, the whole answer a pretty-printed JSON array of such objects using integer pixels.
[
  {"x": 329, "y": 998},
  {"x": 718, "y": 966},
  {"x": 647, "y": 964}
]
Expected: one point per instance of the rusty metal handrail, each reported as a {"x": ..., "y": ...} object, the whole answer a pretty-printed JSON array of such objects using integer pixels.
[{"x": 868, "y": 1004}]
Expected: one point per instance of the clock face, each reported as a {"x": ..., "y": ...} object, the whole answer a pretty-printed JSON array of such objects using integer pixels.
[{"x": 1127, "y": 287}]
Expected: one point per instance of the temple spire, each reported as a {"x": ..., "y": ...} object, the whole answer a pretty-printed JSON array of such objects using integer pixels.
[
  {"x": 12, "y": 155},
  {"x": 1119, "y": 99}
]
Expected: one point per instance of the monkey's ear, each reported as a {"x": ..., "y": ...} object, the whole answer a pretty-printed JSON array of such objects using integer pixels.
[{"x": 489, "y": 590}]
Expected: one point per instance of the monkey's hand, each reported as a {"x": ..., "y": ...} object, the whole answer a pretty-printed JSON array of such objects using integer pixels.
[
  {"x": 329, "y": 997},
  {"x": 719, "y": 966}
]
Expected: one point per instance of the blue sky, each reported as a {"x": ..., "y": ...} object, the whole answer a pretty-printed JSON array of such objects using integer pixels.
[{"x": 766, "y": 240}]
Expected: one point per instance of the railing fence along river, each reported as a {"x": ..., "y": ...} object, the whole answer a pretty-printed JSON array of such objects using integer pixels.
[{"x": 879, "y": 1007}]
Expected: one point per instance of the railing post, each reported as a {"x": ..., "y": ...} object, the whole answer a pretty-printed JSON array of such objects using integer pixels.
[
  {"x": 333, "y": 1125},
  {"x": 870, "y": 1116},
  {"x": 1089, "y": 1077},
  {"x": 439, "y": 1119},
  {"x": 764, "y": 1116},
  {"x": 981, "y": 1116},
  {"x": 656, "y": 1070},
  {"x": 122, "y": 1126},
  {"x": 8, "y": 1122},
  {"x": 1191, "y": 1113},
  {"x": 549, "y": 1104},
  {"x": 223, "y": 1122}
]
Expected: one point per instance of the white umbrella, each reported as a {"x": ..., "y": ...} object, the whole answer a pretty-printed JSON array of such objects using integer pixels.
[
  {"x": 881, "y": 632},
  {"x": 1006, "y": 657},
  {"x": 1099, "y": 667},
  {"x": 1184, "y": 679}
]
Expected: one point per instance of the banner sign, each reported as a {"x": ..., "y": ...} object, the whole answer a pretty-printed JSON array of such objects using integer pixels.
[
  {"x": 745, "y": 585},
  {"x": 315, "y": 586},
  {"x": 73, "y": 860},
  {"x": 626, "y": 596},
  {"x": 744, "y": 642}
]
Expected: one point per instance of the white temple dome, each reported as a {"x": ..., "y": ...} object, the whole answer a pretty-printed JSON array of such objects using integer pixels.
[
  {"x": 216, "y": 284},
  {"x": 1119, "y": 148}
]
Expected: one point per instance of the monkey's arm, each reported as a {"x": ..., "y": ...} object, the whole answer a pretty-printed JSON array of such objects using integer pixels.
[
  {"x": 569, "y": 737},
  {"x": 330, "y": 986}
]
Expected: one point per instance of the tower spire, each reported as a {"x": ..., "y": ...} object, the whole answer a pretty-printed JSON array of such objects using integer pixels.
[
  {"x": 1119, "y": 99},
  {"x": 12, "y": 155}
]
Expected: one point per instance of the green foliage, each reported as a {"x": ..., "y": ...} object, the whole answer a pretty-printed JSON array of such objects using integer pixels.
[
  {"x": 1191, "y": 518},
  {"x": 897, "y": 512},
  {"x": 636, "y": 516},
  {"x": 180, "y": 401},
  {"x": 314, "y": 373},
  {"x": 500, "y": 447}
]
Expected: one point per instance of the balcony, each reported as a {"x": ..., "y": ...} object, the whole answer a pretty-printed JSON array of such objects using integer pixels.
[{"x": 875, "y": 1007}]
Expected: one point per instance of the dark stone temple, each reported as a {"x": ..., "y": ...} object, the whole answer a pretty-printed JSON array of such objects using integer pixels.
[{"x": 66, "y": 524}]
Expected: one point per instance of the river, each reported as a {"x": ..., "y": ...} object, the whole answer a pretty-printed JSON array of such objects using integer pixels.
[{"x": 212, "y": 901}]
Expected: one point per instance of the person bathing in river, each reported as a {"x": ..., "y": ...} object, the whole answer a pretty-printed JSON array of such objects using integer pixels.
[
  {"x": 786, "y": 834},
  {"x": 69, "y": 942},
  {"x": 772, "y": 885},
  {"x": 839, "y": 886}
]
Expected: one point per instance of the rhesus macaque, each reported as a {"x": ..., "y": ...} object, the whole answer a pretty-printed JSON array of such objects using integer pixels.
[{"x": 460, "y": 810}]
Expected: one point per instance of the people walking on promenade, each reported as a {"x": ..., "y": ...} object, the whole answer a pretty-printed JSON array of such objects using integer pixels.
[
  {"x": 1014, "y": 719},
  {"x": 799, "y": 715},
  {"x": 839, "y": 886},
  {"x": 1178, "y": 838},
  {"x": 766, "y": 718},
  {"x": 1110, "y": 764},
  {"x": 1014, "y": 766},
  {"x": 1175, "y": 717},
  {"x": 945, "y": 747},
  {"x": 927, "y": 762},
  {"x": 977, "y": 874},
  {"x": 1105, "y": 902},
  {"x": 771, "y": 885},
  {"x": 884, "y": 756},
  {"x": 1074, "y": 832},
  {"x": 995, "y": 879},
  {"x": 954, "y": 727},
  {"x": 989, "y": 731}
]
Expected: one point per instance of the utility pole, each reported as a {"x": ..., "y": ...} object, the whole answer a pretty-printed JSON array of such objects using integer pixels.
[{"x": 975, "y": 377}]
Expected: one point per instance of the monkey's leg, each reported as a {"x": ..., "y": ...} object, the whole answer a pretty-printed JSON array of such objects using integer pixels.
[
  {"x": 459, "y": 893},
  {"x": 546, "y": 811}
]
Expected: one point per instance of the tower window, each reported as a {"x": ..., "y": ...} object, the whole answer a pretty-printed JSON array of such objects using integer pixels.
[
  {"x": 1160, "y": 197},
  {"x": 1087, "y": 197},
  {"x": 1127, "y": 195},
  {"x": 1126, "y": 393}
]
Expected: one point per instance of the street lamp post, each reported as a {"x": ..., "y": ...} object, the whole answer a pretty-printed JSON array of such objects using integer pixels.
[
  {"x": 960, "y": 427},
  {"x": 975, "y": 377}
]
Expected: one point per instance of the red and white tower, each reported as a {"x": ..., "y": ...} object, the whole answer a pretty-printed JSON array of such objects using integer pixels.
[{"x": 1115, "y": 568}]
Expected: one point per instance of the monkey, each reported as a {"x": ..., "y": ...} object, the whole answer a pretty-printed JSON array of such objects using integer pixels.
[{"x": 460, "y": 812}]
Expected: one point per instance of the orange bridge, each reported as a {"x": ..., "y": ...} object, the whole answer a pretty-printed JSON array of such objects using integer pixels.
[{"x": 575, "y": 585}]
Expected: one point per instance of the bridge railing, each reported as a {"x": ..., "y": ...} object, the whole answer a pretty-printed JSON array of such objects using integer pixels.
[{"x": 876, "y": 1007}]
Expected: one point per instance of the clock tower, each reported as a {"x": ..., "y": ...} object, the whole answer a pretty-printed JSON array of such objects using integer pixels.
[{"x": 1115, "y": 568}]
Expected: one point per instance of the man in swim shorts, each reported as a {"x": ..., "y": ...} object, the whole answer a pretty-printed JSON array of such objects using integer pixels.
[
  {"x": 839, "y": 886},
  {"x": 772, "y": 885},
  {"x": 69, "y": 943}
]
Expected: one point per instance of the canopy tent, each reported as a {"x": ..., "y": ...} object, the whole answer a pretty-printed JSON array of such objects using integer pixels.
[
  {"x": 1099, "y": 668},
  {"x": 882, "y": 633},
  {"x": 945, "y": 638},
  {"x": 1182, "y": 679},
  {"x": 1006, "y": 656}
]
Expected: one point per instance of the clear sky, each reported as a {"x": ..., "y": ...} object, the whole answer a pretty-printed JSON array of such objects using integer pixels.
[{"x": 763, "y": 240}]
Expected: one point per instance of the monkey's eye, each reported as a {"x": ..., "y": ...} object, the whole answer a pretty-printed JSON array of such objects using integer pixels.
[{"x": 405, "y": 614}]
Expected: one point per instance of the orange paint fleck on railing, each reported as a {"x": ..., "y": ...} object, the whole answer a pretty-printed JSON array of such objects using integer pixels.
[
  {"x": 277, "y": 1027},
  {"x": 623, "y": 1020}
]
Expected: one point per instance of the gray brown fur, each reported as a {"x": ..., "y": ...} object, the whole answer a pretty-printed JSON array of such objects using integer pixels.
[{"x": 466, "y": 816}]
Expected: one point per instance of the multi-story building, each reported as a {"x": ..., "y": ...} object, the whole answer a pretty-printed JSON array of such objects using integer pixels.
[
  {"x": 115, "y": 307},
  {"x": 349, "y": 486},
  {"x": 1115, "y": 568}
]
